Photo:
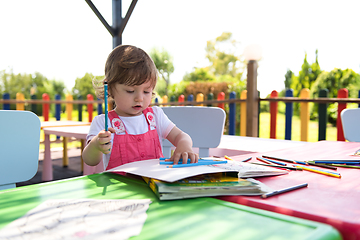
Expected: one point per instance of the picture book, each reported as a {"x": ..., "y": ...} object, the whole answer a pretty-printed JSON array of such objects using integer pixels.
[
  {"x": 206, "y": 185},
  {"x": 152, "y": 169}
]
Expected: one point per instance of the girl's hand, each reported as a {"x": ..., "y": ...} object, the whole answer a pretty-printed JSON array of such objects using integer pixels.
[
  {"x": 179, "y": 153},
  {"x": 103, "y": 140},
  {"x": 183, "y": 144}
]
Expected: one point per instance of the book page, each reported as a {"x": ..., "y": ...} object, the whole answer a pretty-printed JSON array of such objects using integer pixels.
[
  {"x": 80, "y": 219},
  {"x": 152, "y": 169}
]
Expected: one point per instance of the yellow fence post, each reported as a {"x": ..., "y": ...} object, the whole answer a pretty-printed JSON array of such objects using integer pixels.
[
  {"x": 243, "y": 113},
  {"x": 200, "y": 98},
  {"x": 164, "y": 99},
  {"x": 20, "y": 106},
  {"x": 69, "y": 107},
  {"x": 304, "y": 115}
]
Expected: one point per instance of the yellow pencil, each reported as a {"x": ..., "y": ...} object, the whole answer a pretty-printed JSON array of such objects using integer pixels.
[
  {"x": 228, "y": 158},
  {"x": 328, "y": 173}
]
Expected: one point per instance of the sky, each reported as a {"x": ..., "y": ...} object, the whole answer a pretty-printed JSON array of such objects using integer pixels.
[{"x": 63, "y": 40}]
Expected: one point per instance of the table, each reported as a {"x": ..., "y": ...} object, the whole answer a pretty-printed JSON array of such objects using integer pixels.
[
  {"x": 327, "y": 199},
  {"x": 199, "y": 218},
  {"x": 229, "y": 145},
  {"x": 79, "y": 132},
  {"x": 254, "y": 144},
  {"x": 45, "y": 124}
]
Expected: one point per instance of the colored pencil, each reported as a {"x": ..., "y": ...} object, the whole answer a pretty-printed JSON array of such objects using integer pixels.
[
  {"x": 277, "y": 166},
  {"x": 301, "y": 162},
  {"x": 286, "y": 160},
  {"x": 188, "y": 162},
  {"x": 196, "y": 164},
  {"x": 336, "y": 162},
  {"x": 345, "y": 166},
  {"x": 264, "y": 160},
  {"x": 106, "y": 104},
  {"x": 247, "y": 159},
  {"x": 266, "y": 195},
  {"x": 276, "y": 162},
  {"x": 324, "y": 172}
]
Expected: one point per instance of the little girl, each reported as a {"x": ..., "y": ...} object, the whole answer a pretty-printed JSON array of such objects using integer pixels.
[{"x": 135, "y": 129}]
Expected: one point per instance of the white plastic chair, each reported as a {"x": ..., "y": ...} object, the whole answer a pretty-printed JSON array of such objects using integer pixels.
[
  {"x": 19, "y": 147},
  {"x": 205, "y": 125},
  {"x": 350, "y": 119}
]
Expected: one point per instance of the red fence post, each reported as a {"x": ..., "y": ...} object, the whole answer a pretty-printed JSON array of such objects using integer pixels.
[
  {"x": 221, "y": 96},
  {"x": 46, "y": 106},
  {"x": 342, "y": 93},
  {"x": 181, "y": 98},
  {"x": 273, "y": 114},
  {"x": 90, "y": 106}
]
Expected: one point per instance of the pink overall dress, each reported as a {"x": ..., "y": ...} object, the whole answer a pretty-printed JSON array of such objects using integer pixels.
[{"x": 128, "y": 148}]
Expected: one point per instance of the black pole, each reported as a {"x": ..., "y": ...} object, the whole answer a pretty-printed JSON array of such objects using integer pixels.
[{"x": 117, "y": 20}]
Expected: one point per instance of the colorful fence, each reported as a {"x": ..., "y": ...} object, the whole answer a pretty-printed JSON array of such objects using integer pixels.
[{"x": 229, "y": 105}]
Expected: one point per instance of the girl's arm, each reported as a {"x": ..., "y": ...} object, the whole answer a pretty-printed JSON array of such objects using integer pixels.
[
  {"x": 183, "y": 144},
  {"x": 99, "y": 145}
]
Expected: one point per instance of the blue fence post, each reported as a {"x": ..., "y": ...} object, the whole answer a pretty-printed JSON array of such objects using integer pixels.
[
  {"x": 57, "y": 108},
  {"x": 232, "y": 111},
  {"x": 190, "y": 98},
  {"x": 156, "y": 100},
  {"x": 288, "y": 114},
  {"x": 99, "y": 108},
  {"x": 6, "y": 106}
]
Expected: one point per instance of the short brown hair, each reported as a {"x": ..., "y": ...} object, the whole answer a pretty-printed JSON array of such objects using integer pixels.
[{"x": 127, "y": 65}]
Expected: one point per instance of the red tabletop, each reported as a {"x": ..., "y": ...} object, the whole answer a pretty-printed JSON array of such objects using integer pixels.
[{"x": 334, "y": 201}]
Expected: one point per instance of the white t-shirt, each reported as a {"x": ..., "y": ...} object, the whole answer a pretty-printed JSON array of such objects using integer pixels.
[{"x": 133, "y": 125}]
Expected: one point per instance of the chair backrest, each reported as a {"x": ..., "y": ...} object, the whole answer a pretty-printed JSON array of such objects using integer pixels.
[
  {"x": 205, "y": 125},
  {"x": 19, "y": 147},
  {"x": 350, "y": 119}
]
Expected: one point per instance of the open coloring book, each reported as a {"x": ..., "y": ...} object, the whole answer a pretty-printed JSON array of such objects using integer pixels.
[{"x": 152, "y": 169}]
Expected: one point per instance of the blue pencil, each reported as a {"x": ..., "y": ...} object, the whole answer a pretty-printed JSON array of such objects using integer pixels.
[
  {"x": 196, "y": 164},
  {"x": 106, "y": 104},
  {"x": 181, "y": 162},
  {"x": 276, "y": 162}
]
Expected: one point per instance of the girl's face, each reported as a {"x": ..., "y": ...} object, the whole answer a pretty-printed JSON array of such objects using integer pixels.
[{"x": 132, "y": 100}]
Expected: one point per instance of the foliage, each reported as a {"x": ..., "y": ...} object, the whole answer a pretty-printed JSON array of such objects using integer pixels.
[
  {"x": 199, "y": 74},
  {"x": 164, "y": 64},
  {"x": 288, "y": 76},
  {"x": 307, "y": 76},
  {"x": 29, "y": 84},
  {"x": 333, "y": 81},
  {"x": 222, "y": 55},
  {"x": 84, "y": 86}
]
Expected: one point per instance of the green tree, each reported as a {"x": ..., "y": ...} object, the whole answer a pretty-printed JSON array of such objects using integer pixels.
[
  {"x": 333, "y": 81},
  {"x": 84, "y": 86},
  {"x": 288, "y": 77},
  {"x": 164, "y": 64},
  {"x": 26, "y": 83},
  {"x": 199, "y": 74},
  {"x": 222, "y": 56},
  {"x": 307, "y": 75}
]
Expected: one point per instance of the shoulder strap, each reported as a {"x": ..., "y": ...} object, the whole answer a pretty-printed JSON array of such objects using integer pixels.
[{"x": 149, "y": 116}]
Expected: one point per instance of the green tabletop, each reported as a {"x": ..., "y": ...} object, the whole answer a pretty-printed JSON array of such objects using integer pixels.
[{"x": 199, "y": 218}]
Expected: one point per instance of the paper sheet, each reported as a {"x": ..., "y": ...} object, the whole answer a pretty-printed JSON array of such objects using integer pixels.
[
  {"x": 80, "y": 219},
  {"x": 152, "y": 169}
]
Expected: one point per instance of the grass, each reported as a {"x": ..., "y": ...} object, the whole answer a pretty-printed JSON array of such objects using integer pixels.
[{"x": 264, "y": 129}]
